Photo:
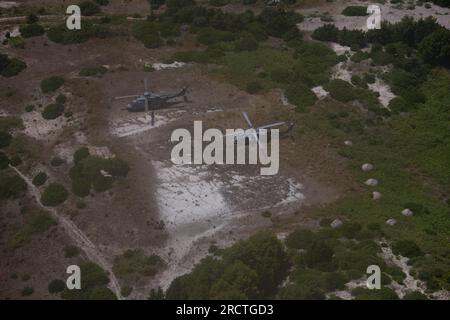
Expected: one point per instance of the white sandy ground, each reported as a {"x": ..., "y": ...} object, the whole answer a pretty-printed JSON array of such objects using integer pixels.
[
  {"x": 320, "y": 92},
  {"x": 409, "y": 284},
  {"x": 384, "y": 90},
  {"x": 139, "y": 123},
  {"x": 162, "y": 66},
  {"x": 196, "y": 203},
  {"x": 41, "y": 129},
  {"x": 8, "y": 4},
  {"x": 81, "y": 240},
  {"x": 389, "y": 13}
]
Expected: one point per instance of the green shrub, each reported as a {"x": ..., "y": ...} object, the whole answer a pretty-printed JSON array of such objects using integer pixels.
[
  {"x": 54, "y": 195},
  {"x": 60, "y": 33},
  {"x": 253, "y": 87},
  {"x": 318, "y": 255},
  {"x": 32, "y": 18},
  {"x": 407, "y": 248},
  {"x": 14, "y": 67},
  {"x": 35, "y": 222},
  {"x": 51, "y": 84},
  {"x": 39, "y": 179},
  {"x": 61, "y": 99},
  {"x": 27, "y": 291},
  {"x": 81, "y": 187},
  {"x": 93, "y": 71},
  {"x": 362, "y": 293},
  {"x": 210, "y": 36},
  {"x": 340, "y": 90},
  {"x": 300, "y": 95},
  {"x": 89, "y": 8},
  {"x": 31, "y": 30},
  {"x": 300, "y": 239},
  {"x": 53, "y": 111},
  {"x": 15, "y": 160},
  {"x": 80, "y": 154},
  {"x": 126, "y": 291},
  {"x": 29, "y": 108},
  {"x": 135, "y": 262},
  {"x": 5, "y": 139},
  {"x": 4, "y": 161},
  {"x": 56, "y": 161},
  {"x": 355, "y": 11},
  {"x": 147, "y": 32},
  {"x": 246, "y": 44},
  {"x": 11, "y": 186},
  {"x": 56, "y": 286},
  {"x": 415, "y": 295}
]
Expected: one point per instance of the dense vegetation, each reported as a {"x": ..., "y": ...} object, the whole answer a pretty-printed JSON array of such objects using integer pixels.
[
  {"x": 136, "y": 264},
  {"x": 10, "y": 67},
  {"x": 54, "y": 195},
  {"x": 94, "y": 283},
  {"x": 94, "y": 172},
  {"x": 52, "y": 83}
]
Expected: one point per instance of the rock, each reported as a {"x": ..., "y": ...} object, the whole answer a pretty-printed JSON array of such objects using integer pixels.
[
  {"x": 376, "y": 195},
  {"x": 407, "y": 212},
  {"x": 371, "y": 182},
  {"x": 391, "y": 222},
  {"x": 336, "y": 223},
  {"x": 348, "y": 143},
  {"x": 367, "y": 167}
]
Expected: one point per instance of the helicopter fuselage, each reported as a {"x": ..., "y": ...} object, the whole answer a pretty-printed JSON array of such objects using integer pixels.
[{"x": 138, "y": 104}]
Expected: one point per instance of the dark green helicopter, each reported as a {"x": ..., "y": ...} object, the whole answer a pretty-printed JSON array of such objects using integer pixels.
[{"x": 150, "y": 101}]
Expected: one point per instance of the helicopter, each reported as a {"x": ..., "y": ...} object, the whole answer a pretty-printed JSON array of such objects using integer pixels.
[
  {"x": 255, "y": 135},
  {"x": 150, "y": 101}
]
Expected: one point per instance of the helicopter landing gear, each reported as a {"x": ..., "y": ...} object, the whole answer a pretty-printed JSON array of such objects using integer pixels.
[{"x": 152, "y": 115}]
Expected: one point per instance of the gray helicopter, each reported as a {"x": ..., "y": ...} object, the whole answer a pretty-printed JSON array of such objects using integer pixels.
[{"x": 150, "y": 101}]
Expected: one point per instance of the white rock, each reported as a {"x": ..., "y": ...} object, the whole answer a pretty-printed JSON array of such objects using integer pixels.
[
  {"x": 371, "y": 182},
  {"x": 376, "y": 195},
  {"x": 348, "y": 143},
  {"x": 391, "y": 222},
  {"x": 336, "y": 223},
  {"x": 407, "y": 212},
  {"x": 367, "y": 167}
]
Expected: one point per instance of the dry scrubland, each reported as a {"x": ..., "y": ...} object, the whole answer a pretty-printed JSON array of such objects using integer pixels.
[{"x": 363, "y": 177}]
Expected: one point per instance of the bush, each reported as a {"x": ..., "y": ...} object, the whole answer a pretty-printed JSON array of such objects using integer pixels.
[
  {"x": 11, "y": 186},
  {"x": 80, "y": 154},
  {"x": 93, "y": 71},
  {"x": 29, "y": 108},
  {"x": 147, "y": 32},
  {"x": 407, "y": 248},
  {"x": 32, "y": 18},
  {"x": 246, "y": 44},
  {"x": 81, "y": 187},
  {"x": 14, "y": 67},
  {"x": 328, "y": 32},
  {"x": 27, "y": 291},
  {"x": 253, "y": 87},
  {"x": 210, "y": 36},
  {"x": 353, "y": 11},
  {"x": 361, "y": 293},
  {"x": 54, "y": 195},
  {"x": 4, "y": 161},
  {"x": 318, "y": 255},
  {"x": 340, "y": 90},
  {"x": 31, "y": 30},
  {"x": 89, "y": 8},
  {"x": 415, "y": 295},
  {"x": 300, "y": 239},
  {"x": 300, "y": 95},
  {"x": 56, "y": 161},
  {"x": 435, "y": 49},
  {"x": 135, "y": 262},
  {"x": 51, "y": 84},
  {"x": 53, "y": 111},
  {"x": 61, "y": 99},
  {"x": 5, "y": 139},
  {"x": 60, "y": 33},
  {"x": 39, "y": 179},
  {"x": 56, "y": 286}
]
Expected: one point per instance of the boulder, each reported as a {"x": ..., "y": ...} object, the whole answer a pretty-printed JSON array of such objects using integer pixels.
[
  {"x": 407, "y": 212},
  {"x": 371, "y": 182},
  {"x": 376, "y": 195},
  {"x": 336, "y": 223},
  {"x": 391, "y": 222},
  {"x": 367, "y": 167}
]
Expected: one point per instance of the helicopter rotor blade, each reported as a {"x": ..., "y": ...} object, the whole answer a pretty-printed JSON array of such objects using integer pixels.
[
  {"x": 145, "y": 85},
  {"x": 247, "y": 119},
  {"x": 276, "y": 124},
  {"x": 126, "y": 97}
]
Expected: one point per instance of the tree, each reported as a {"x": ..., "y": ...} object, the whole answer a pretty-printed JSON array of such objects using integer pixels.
[
  {"x": 52, "y": 83},
  {"x": 5, "y": 139},
  {"x": 56, "y": 286},
  {"x": 435, "y": 48},
  {"x": 318, "y": 254},
  {"x": 89, "y": 8},
  {"x": 54, "y": 195},
  {"x": 39, "y": 179},
  {"x": 11, "y": 186},
  {"x": 31, "y": 30},
  {"x": 4, "y": 161}
]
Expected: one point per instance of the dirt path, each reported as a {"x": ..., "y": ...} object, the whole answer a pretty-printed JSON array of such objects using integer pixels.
[{"x": 77, "y": 236}]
